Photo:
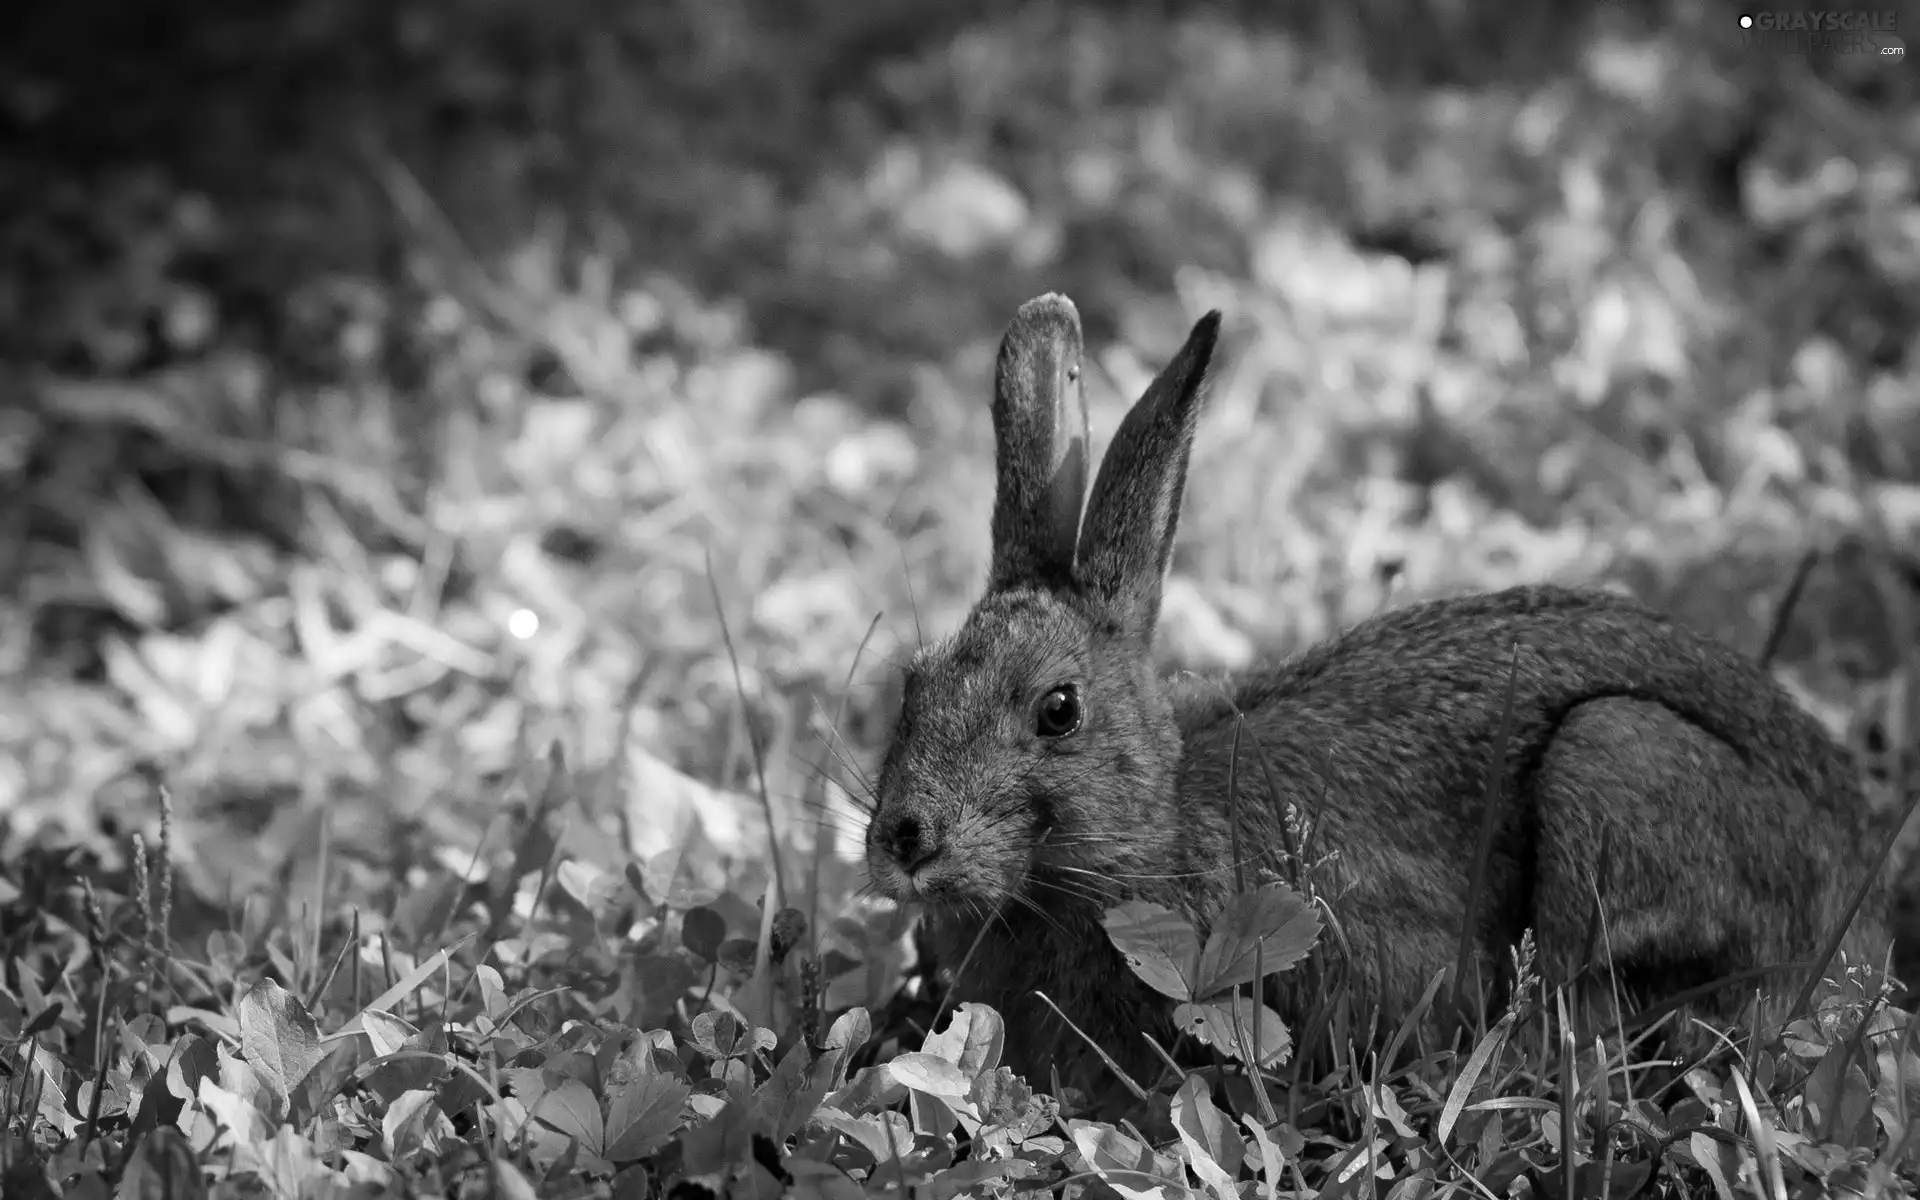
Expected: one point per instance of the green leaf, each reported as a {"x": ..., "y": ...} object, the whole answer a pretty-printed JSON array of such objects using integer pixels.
[
  {"x": 509, "y": 1183},
  {"x": 1159, "y": 945},
  {"x": 493, "y": 991},
  {"x": 325, "y": 1081},
  {"x": 413, "y": 1123},
  {"x": 721, "y": 1143},
  {"x": 652, "y": 985},
  {"x": 1213, "y": 1145},
  {"x": 1008, "y": 1101},
  {"x": 1125, "y": 1165},
  {"x": 1272, "y": 1161},
  {"x": 572, "y": 1109},
  {"x": 701, "y": 931},
  {"x": 236, "y": 1106},
  {"x": 387, "y": 1033},
  {"x": 196, "y": 1058},
  {"x": 287, "y": 1163},
  {"x": 278, "y": 1036},
  {"x": 1841, "y": 1097},
  {"x": 1615, "y": 1180},
  {"x": 789, "y": 926},
  {"x": 884, "y": 1135},
  {"x": 737, "y": 954},
  {"x": 851, "y": 1030},
  {"x": 1387, "y": 1110},
  {"x": 720, "y": 1034},
  {"x": 158, "y": 1108},
  {"x": 162, "y": 1167},
  {"x": 870, "y": 1088},
  {"x": 790, "y": 1095},
  {"x": 387, "y": 1077},
  {"x": 1212, "y": 1022},
  {"x": 822, "y": 1181},
  {"x": 1721, "y": 1163},
  {"x": 922, "y": 1072},
  {"x": 642, "y": 1113},
  {"x": 1287, "y": 921},
  {"x": 973, "y": 1040},
  {"x": 968, "y": 1178}
]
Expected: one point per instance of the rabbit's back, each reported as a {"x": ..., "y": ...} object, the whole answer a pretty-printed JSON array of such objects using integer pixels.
[{"x": 1734, "y": 825}]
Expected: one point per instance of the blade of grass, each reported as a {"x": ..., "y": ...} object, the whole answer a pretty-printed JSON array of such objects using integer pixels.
[
  {"x": 1412, "y": 1020},
  {"x": 1334, "y": 993},
  {"x": 1762, "y": 1132},
  {"x": 1264, "y": 1102},
  {"x": 840, "y": 712},
  {"x": 321, "y": 870},
  {"x": 1569, "y": 1087},
  {"x": 753, "y": 742},
  {"x": 1462, "y": 1089},
  {"x": 1276, "y": 797},
  {"x": 399, "y": 989},
  {"x": 1489, "y": 825},
  {"x": 1249, "y": 1050},
  {"x": 1233, "y": 809},
  {"x": 1602, "y": 877},
  {"x": 320, "y": 986},
  {"x": 1164, "y": 1056},
  {"x": 913, "y": 605},
  {"x": 1783, "y": 612},
  {"x": 1139, "y": 1093},
  {"x": 97, "y": 939},
  {"x": 759, "y": 1007}
]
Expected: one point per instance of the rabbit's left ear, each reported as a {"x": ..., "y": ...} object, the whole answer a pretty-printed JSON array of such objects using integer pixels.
[
  {"x": 1128, "y": 536},
  {"x": 1040, "y": 447}
]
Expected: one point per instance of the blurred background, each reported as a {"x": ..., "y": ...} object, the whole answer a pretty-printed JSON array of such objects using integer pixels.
[{"x": 389, "y": 388}]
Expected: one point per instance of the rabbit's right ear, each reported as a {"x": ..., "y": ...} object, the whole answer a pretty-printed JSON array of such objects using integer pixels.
[
  {"x": 1135, "y": 509},
  {"x": 1040, "y": 447}
]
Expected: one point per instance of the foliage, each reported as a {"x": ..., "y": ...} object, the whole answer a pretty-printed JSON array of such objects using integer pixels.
[
  {"x": 611, "y": 1044},
  {"x": 1162, "y": 947}
]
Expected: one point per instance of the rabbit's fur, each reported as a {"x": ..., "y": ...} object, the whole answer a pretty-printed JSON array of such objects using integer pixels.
[{"x": 1736, "y": 827}]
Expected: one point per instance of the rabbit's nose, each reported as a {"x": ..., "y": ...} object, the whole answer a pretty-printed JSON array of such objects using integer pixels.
[{"x": 910, "y": 841}]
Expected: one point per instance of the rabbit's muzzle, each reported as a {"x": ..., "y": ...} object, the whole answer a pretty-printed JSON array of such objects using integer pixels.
[
  {"x": 909, "y": 841},
  {"x": 943, "y": 860},
  {"x": 904, "y": 853}
]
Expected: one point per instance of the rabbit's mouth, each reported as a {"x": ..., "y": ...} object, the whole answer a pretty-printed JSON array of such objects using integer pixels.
[
  {"x": 945, "y": 859},
  {"x": 941, "y": 881},
  {"x": 974, "y": 883}
]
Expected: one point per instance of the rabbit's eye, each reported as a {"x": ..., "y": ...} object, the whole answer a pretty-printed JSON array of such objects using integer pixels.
[
  {"x": 1073, "y": 372},
  {"x": 1059, "y": 712}
]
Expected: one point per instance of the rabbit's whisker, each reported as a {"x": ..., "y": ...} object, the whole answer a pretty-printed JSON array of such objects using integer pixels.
[{"x": 834, "y": 743}]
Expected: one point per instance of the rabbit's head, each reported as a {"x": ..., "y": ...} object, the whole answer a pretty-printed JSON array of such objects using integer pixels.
[{"x": 1036, "y": 754}]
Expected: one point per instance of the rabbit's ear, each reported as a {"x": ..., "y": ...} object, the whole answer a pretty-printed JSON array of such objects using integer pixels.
[
  {"x": 1135, "y": 507},
  {"x": 1040, "y": 446}
]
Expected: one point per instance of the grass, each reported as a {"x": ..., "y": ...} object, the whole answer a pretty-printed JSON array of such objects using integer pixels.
[{"x": 614, "y": 380}]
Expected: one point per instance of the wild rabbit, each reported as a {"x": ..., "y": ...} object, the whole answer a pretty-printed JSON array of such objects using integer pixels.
[{"x": 1041, "y": 772}]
